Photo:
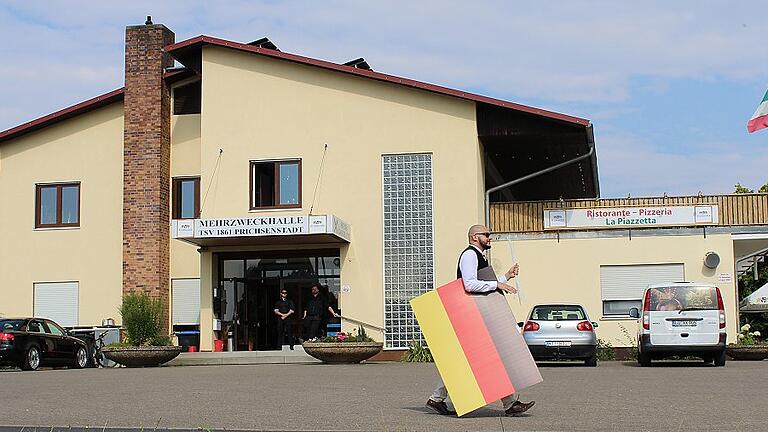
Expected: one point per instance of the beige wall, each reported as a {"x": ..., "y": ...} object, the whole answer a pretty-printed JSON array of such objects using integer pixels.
[
  {"x": 260, "y": 108},
  {"x": 185, "y": 162},
  {"x": 87, "y": 149},
  {"x": 569, "y": 271}
]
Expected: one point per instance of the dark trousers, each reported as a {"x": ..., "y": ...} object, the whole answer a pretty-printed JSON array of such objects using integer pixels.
[
  {"x": 312, "y": 328},
  {"x": 284, "y": 330}
]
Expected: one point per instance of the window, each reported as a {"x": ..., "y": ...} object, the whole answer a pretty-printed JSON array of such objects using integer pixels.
[
  {"x": 186, "y": 99},
  {"x": 57, "y": 205},
  {"x": 54, "y": 329},
  {"x": 35, "y": 327},
  {"x": 622, "y": 286},
  {"x": 408, "y": 243},
  {"x": 186, "y": 198},
  {"x": 276, "y": 184},
  {"x": 557, "y": 313}
]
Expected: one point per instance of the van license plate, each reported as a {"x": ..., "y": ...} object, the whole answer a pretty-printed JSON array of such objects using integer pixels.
[
  {"x": 558, "y": 343},
  {"x": 683, "y": 323}
]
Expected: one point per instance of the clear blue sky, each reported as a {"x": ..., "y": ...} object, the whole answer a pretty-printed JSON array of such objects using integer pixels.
[{"x": 669, "y": 86}]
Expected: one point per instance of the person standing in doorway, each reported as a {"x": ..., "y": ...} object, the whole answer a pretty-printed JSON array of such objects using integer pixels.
[
  {"x": 317, "y": 306},
  {"x": 471, "y": 262},
  {"x": 284, "y": 308}
]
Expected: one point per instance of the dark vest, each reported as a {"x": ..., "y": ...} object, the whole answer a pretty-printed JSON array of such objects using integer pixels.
[{"x": 481, "y": 261}]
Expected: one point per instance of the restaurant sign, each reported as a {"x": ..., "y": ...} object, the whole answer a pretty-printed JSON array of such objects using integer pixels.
[{"x": 630, "y": 217}]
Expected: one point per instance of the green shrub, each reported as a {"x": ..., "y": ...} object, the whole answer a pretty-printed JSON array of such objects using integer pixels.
[
  {"x": 418, "y": 353},
  {"x": 142, "y": 319},
  {"x": 605, "y": 350}
]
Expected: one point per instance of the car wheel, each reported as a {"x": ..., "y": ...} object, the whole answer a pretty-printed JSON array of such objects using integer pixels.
[
  {"x": 81, "y": 358},
  {"x": 592, "y": 361},
  {"x": 31, "y": 359},
  {"x": 643, "y": 359},
  {"x": 720, "y": 359}
]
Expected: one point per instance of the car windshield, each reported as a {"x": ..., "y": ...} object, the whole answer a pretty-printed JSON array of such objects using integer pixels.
[
  {"x": 10, "y": 324},
  {"x": 679, "y": 298},
  {"x": 557, "y": 313}
]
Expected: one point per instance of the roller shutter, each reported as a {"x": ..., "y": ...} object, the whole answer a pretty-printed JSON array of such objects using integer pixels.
[
  {"x": 627, "y": 282},
  {"x": 57, "y": 301},
  {"x": 186, "y": 301}
]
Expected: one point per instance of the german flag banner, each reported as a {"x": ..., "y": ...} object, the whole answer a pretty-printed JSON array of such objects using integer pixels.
[{"x": 475, "y": 342}]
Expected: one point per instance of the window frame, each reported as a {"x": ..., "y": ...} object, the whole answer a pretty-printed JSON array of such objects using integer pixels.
[
  {"x": 276, "y": 189},
  {"x": 59, "y": 208},
  {"x": 620, "y": 315},
  {"x": 176, "y": 197}
]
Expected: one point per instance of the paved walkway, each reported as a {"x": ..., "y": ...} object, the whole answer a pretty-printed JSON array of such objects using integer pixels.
[{"x": 383, "y": 396}]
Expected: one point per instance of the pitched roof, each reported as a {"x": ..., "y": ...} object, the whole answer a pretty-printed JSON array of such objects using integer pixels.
[
  {"x": 69, "y": 112},
  {"x": 176, "y": 49},
  {"x": 199, "y": 41}
]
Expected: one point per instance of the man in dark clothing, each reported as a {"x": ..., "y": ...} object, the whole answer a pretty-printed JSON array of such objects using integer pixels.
[
  {"x": 472, "y": 262},
  {"x": 314, "y": 311},
  {"x": 284, "y": 308}
]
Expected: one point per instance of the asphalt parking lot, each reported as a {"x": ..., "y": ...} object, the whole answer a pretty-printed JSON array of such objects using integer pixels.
[{"x": 381, "y": 396}]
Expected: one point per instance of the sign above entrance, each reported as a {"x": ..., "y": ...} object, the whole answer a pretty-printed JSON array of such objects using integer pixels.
[
  {"x": 260, "y": 226},
  {"x": 630, "y": 217}
]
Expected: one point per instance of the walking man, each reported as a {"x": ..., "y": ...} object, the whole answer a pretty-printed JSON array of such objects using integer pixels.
[
  {"x": 471, "y": 262},
  {"x": 284, "y": 308}
]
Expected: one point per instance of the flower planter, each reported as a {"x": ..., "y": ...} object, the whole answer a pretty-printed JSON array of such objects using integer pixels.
[
  {"x": 747, "y": 352},
  {"x": 150, "y": 356},
  {"x": 342, "y": 352}
]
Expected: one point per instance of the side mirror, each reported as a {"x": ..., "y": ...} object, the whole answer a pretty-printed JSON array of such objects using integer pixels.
[
  {"x": 594, "y": 324},
  {"x": 520, "y": 324},
  {"x": 634, "y": 313}
]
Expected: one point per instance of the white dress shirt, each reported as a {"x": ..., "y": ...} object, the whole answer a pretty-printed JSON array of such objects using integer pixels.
[{"x": 468, "y": 266}]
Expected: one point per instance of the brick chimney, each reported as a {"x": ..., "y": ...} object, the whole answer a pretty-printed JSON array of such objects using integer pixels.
[{"x": 147, "y": 162}]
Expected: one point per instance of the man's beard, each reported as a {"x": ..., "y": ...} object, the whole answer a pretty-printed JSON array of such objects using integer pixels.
[{"x": 487, "y": 246}]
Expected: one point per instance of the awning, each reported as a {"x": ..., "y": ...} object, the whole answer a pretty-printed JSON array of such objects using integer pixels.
[
  {"x": 757, "y": 302},
  {"x": 262, "y": 230}
]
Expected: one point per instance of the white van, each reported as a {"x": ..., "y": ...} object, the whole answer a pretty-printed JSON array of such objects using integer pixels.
[{"x": 681, "y": 318}]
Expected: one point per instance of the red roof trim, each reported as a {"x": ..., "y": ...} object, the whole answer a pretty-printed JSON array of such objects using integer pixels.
[
  {"x": 200, "y": 40},
  {"x": 66, "y": 113}
]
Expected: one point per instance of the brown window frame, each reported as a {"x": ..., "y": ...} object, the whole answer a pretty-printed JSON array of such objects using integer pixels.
[
  {"x": 176, "y": 197},
  {"x": 59, "y": 187},
  {"x": 276, "y": 189}
]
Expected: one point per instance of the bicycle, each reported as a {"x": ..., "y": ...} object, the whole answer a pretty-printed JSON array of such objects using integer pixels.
[{"x": 99, "y": 359}]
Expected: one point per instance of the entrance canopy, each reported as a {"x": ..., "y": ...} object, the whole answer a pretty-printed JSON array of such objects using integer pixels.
[
  {"x": 262, "y": 230},
  {"x": 757, "y": 302}
]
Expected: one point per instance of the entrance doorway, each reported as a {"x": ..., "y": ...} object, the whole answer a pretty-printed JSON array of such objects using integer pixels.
[{"x": 250, "y": 285}]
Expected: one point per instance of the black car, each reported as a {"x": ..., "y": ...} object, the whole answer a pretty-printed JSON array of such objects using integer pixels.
[{"x": 33, "y": 342}]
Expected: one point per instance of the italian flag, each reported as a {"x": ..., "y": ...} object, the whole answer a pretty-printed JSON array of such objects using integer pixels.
[{"x": 759, "y": 119}]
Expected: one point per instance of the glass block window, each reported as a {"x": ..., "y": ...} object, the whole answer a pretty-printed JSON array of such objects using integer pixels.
[{"x": 408, "y": 243}]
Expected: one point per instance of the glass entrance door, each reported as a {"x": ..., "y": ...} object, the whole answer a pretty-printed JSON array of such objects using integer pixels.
[{"x": 249, "y": 286}]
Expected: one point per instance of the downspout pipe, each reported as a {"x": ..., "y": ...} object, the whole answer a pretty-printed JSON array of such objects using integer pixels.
[{"x": 590, "y": 143}]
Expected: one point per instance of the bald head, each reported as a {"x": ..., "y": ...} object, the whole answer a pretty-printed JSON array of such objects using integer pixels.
[
  {"x": 476, "y": 229},
  {"x": 479, "y": 235}
]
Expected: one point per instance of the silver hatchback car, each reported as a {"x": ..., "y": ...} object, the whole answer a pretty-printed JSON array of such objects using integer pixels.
[{"x": 561, "y": 331}]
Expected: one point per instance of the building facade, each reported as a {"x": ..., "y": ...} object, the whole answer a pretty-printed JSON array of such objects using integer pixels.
[{"x": 245, "y": 171}]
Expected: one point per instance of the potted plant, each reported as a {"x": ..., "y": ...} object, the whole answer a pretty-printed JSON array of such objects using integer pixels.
[
  {"x": 750, "y": 346},
  {"x": 343, "y": 348},
  {"x": 144, "y": 344}
]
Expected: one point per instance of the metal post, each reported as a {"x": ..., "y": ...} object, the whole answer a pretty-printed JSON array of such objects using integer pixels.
[{"x": 757, "y": 275}]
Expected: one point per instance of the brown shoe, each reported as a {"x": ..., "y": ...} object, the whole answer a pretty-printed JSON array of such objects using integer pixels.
[
  {"x": 440, "y": 407},
  {"x": 519, "y": 408}
]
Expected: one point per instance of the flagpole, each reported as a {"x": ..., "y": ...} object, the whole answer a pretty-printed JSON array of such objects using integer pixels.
[{"x": 517, "y": 277}]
